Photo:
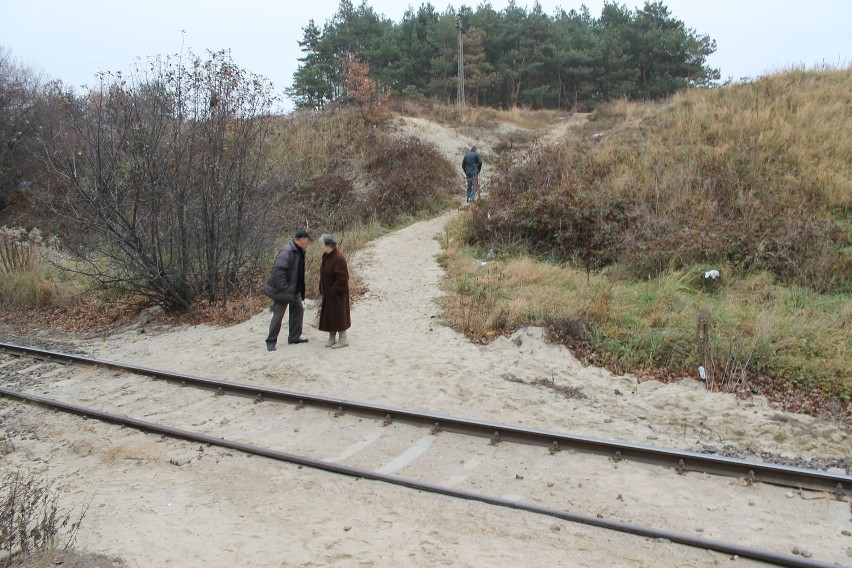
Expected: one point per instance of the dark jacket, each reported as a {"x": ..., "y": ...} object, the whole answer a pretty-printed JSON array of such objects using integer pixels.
[
  {"x": 472, "y": 163},
  {"x": 286, "y": 281},
  {"x": 334, "y": 287}
]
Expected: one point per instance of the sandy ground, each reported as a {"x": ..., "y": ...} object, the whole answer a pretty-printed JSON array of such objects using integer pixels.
[
  {"x": 227, "y": 510},
  {"x": 401, "y": 355}
]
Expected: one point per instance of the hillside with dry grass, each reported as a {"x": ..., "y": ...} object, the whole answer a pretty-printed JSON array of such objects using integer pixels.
[
  {"x": 607, "y": 237},
  {"x": 756, "y": 176}
]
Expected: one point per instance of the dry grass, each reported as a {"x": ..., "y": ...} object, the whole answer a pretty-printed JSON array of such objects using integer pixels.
[
  {"x": 748, "y": 331},
  {"x": 513, "y": 131},
  {"x": 32, "y": 521},
  {"x": 309, "y": 145},
  {"x": 335, "y": 172},
  {"x": 621, "y": 113},
  {"x": 478, "y": 118},
  {"x": 710, "y": 177},
  {"x": 30, "y": 277}
]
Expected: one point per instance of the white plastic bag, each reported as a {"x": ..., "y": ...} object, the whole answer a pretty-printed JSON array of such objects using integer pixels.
[{"x": 316, "y": 320}]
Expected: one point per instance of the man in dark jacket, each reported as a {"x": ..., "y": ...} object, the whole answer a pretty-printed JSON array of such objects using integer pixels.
[
  {"x": 286, "y": 287},
  {"x": 472, "y": 165}
]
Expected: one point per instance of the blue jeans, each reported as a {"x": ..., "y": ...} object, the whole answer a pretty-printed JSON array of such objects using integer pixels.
[{"x": 471, "y": 191}]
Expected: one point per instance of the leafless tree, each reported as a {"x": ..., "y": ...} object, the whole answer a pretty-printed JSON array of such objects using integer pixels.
[
  {"x": 19, "y": 93},
  {"x": 168, "y": 185}
]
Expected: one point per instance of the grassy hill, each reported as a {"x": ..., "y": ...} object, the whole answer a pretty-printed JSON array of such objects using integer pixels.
[
  {"x": 607, "y": 235},
  {"x": 754, "y": 175}
]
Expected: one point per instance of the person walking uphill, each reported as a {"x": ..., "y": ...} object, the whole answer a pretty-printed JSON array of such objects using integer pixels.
[
  {"x": 472, "y": 165},
  {"x": 334, "y": 287},
  {"x": 286, "y": 287}
]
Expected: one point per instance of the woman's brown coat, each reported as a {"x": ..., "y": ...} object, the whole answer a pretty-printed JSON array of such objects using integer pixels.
[{"x": 334, "y": 287}]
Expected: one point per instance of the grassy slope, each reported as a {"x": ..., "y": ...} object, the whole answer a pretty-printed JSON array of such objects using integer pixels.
[{"x": 753, "y": 180}]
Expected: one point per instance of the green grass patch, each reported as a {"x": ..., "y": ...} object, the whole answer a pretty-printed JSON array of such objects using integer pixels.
[{"x": 744, "y": 327}]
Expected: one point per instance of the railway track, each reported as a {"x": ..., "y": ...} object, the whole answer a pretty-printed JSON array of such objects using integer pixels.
[{"x": 377, "y": 442}]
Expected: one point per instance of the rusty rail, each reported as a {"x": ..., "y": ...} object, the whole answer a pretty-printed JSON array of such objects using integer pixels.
[{"x": 681, "y": 461}]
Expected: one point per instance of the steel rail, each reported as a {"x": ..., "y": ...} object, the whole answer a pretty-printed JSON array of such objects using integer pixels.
[
  {"x": 680, "y": 460},
  {"x": 609, "y": 524}
]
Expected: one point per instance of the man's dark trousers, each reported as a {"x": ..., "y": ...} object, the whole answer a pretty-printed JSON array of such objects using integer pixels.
[{"x": 297, "y": 313}]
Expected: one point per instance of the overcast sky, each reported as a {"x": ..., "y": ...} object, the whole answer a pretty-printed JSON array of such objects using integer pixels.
[{"x": 73, "y": 41}]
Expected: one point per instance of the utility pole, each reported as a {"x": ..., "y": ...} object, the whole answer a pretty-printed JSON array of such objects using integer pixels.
[{"x": 460, "y": 92}]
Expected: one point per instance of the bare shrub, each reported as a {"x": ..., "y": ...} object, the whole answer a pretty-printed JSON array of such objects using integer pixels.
[
  {"x": 568, "y": 330},
  {"x": 30, "y": 518},
  {"x": 168, "y": 186},
  {"x": 552, "y": 211},
  {"x": 405, "y": 175},
  {"x": 336, "y": 172},
  {"x": 20, "y": 91},
  {"x": 329, "y": 201},
  {"x": 723, "y": 366}
]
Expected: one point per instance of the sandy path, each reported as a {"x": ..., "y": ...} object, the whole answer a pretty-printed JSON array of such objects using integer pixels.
[
  {"x": 257, "y": 513},
  {"x": 228, "y": 510},
  {"x": 401, "y": 355}
]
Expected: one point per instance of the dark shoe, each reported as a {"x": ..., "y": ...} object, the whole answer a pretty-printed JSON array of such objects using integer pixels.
[
  {"x": 300, "y": 340},
  {"x": 270, "y": 347}
]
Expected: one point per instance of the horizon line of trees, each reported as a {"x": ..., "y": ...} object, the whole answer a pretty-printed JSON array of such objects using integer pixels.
[{"x": 513, "y": 57}]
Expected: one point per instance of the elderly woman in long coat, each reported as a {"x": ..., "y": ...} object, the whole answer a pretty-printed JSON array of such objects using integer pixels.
[{"x": 334, "y": 287}]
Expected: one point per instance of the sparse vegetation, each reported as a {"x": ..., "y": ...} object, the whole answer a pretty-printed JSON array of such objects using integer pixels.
[
  {"x": 476, "y": 118},
  {"x": 605, "y": 240},
  {"x": 31, "y": 518},
  {"x": 27, "y": 279},
  {"x": 711, "y": 179}
]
